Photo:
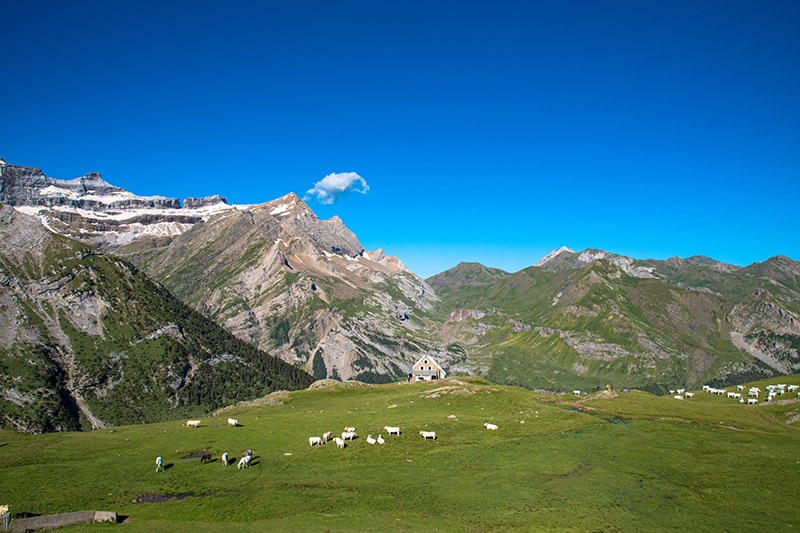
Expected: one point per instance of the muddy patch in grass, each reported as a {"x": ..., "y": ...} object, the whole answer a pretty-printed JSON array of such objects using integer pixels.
[{"x": 155, "y": 497}]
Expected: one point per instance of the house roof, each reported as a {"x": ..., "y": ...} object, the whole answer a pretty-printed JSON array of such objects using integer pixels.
[{"x": 431, "y": 360}]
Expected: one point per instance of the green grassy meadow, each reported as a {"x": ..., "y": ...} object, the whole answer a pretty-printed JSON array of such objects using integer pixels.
[{"x": 604, "y": 462}]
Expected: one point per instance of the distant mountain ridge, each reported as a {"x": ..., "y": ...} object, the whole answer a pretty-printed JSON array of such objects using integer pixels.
[
  {"x": 305, "y": 290},
  {"x": 595, "y": 316}
]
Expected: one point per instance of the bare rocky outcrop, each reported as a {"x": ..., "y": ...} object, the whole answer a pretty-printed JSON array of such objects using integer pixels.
[
  {"x": 766, "y": 330},
  {"x": 193, "y": 203},
  {"x": 92, "y": 210}
]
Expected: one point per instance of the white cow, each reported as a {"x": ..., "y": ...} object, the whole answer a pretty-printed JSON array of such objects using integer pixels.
[
  {"x": 428, "y": 435},
  {"x": 487, "y": 425},
  {"x": 371, "y": 439},
  {"x": 689, "y": 395},
  {"x": 349, "y": 435},
  {"x": 381, "y": 440},
  {"x": 339, "y": 442},
  {"x": 392, "y": 430},
  {"x": 244, "y": 462},
  {"x": 225, "y": 459},
  {"x": 232, "y": 422},
  {"x": 315, "y": 441},
  {"x": 192, "y": 423},
  {"x": 327, "y": 436},
  {"x": 752, "y": 401},
  {"x": 350, "y": 429},
  {"x": 159, "y": 464}
]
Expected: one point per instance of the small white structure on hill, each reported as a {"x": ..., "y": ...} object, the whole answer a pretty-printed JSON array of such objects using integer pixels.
[{"x": 426, "y": 369}]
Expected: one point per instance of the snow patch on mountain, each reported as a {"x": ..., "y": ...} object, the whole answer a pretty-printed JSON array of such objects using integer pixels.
[
  {"x": 552, "y": 255},
  {"x": 108, "y": 199},
  {"x": 626, "y": 264}
]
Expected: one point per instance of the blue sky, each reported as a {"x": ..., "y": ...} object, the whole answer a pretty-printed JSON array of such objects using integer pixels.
[{"x": 480, "y": 131}]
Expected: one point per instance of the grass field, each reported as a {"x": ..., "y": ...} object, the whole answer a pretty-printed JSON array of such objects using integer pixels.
[{"x": 606, "y": 462}]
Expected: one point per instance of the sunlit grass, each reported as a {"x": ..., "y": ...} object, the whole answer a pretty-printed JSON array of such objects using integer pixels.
[{"x": 627, "y": 462}]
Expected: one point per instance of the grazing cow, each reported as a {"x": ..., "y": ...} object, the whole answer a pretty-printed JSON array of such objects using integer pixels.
[
  {"x": 428, "y": 435},
  {"x": 327, "y": 436},
  {"x": 244, "y": 462},
  {"x": 315, "y": 441},
  {"x": 752, "y": 401},
  {"x": 192, "y": 423},
  {"x": 205, "y": 458},
  {"x": 339, "y": 442},
  {"x": 392, "y": 430},
  {"x": 349, "y": 435},
  {"x": 159, "y": 464},
  {"x": 232, "y": 422},
  {"x": 225, "y": 459},
  {"x": 689, "y": 395}
]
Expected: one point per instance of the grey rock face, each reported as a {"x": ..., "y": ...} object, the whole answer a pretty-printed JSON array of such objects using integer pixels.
[
  {"x": 92, "y": 210},
  {"x": 193, "y": 203},
  {"x": 28, "y": 186}
]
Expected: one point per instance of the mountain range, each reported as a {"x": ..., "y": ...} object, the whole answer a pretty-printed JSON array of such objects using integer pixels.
[{"x": 305, "y": 291}]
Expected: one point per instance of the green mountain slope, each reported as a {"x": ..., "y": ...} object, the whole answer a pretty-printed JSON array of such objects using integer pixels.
[
  {"x": 585, "y": 324},
  {"x": 87, "y": 340}
]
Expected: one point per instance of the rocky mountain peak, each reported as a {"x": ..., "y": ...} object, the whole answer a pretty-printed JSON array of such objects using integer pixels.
[
  {"x": 29, "y": 187},
  {"x": 553, "y": 255},
  {"x": 298, "y": 221},
  {"x": 289, "y": 205},
  {"x": 713, "y": 263}
]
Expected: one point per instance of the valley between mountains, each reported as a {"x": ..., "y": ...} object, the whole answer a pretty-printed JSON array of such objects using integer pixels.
[{"x": 117, "y": 308}]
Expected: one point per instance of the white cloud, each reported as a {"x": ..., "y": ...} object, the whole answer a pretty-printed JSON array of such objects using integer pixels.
[{"x": 329, "y": 188}]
